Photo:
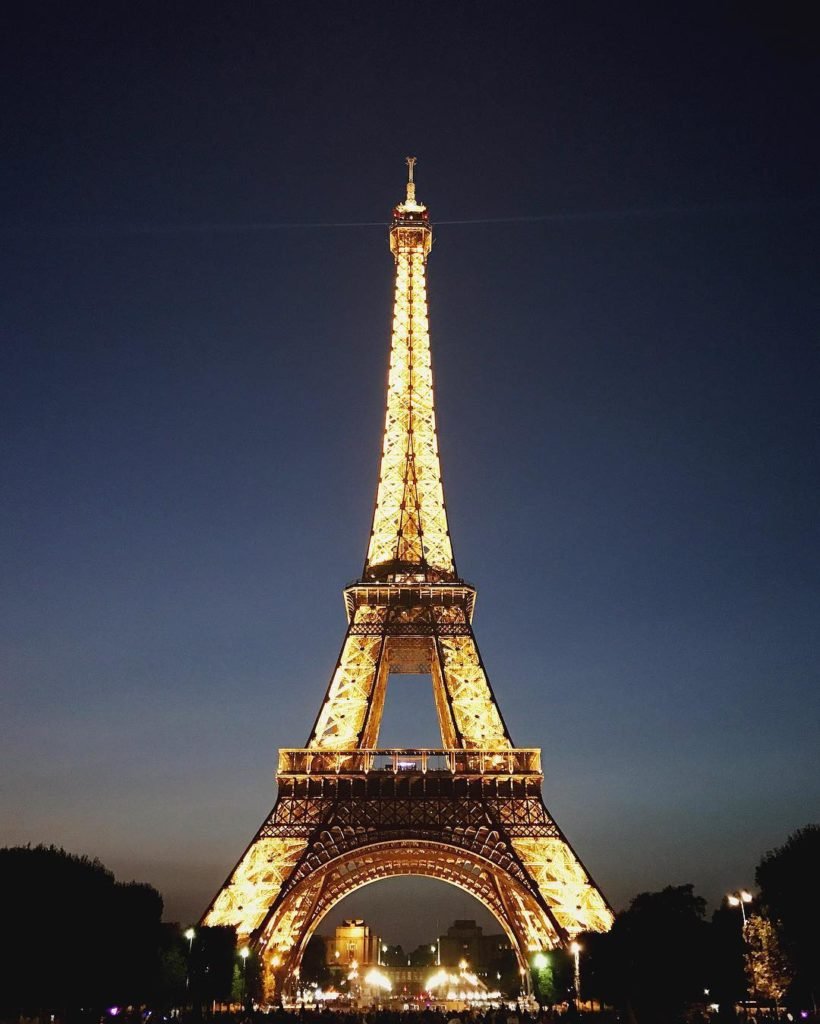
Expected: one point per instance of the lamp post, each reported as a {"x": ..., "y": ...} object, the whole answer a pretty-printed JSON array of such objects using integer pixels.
[
  {"x": 740, "y": 899},
  {"x": 244, "y": 952},
  {"x": 575, "y": 949},
  {"x": 190, "y": 935}
]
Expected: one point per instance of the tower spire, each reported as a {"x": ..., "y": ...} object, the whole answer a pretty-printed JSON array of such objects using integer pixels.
[
  {"x": 411, "y": 185},
  {"x": 410, "y": 538}
]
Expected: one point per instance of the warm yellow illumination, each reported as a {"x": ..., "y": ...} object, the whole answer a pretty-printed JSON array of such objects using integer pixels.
[
  {"x": 375, "y": 979},
  {"x": 470, "y": 812}
]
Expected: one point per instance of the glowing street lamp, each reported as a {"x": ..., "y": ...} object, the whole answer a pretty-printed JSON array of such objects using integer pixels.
[
  {"x": 740, "y": 899},
  {"x": 244, "y": 952},
  {"x": 190, "y": 935},
  {"x": 540, "y": 961},
  {"x": 575, "y": 948}
]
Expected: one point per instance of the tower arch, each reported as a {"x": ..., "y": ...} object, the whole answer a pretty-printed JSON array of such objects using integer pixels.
[{"x": 509, "y": 903}]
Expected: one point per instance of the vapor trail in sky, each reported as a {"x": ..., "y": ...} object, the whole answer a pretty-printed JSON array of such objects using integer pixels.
[{"x": 556, "y": 217}]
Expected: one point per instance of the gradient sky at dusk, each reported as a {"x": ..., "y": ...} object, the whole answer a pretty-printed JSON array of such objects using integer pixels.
[{"x": 192, "y": 400}]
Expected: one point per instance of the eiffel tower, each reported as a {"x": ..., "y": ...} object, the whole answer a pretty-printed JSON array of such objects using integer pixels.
[{"x": 348, "y": 813}]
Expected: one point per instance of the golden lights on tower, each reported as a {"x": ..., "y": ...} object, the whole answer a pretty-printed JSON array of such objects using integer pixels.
[{"x": 348, "y": 813}]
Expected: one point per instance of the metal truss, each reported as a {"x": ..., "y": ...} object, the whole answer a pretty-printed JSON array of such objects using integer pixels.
[{"x": 348, "y": 813}]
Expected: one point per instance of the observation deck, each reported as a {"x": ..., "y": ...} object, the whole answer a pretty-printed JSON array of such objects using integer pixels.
[
  {"x": 409, "y": 593},
  {"x": 411, "y": 761}
]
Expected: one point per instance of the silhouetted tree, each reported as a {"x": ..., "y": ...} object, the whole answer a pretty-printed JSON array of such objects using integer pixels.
[
  {"x": 73, "y": 935},
  {"x": 727, "y": 984},
  {"x": 314, "y": 962},
  {"x": 394, "y": 956},
  {"x": 654, "y": 961},
  {"x": 174, "y": 984},
  {"x": 790, "y": 898},
  {"x": 212, "y": 965},
  {"x": 503, "y": 972}
]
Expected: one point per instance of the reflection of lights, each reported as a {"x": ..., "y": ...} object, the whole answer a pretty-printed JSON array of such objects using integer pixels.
[
  {"x": 326, "y": 997},
  {"x": 375, "y": 979},
  {"x": 463, "y": 984}
]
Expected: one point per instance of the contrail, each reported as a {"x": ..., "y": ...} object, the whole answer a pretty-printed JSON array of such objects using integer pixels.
[{"x": 555, "y": 217}]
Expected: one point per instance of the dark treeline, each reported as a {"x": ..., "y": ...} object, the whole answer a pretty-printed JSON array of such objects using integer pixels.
[
  {"x": 74, "y": 938},
  {"x": 76, "y": 941},
  {"x": 663, "y": 956}
]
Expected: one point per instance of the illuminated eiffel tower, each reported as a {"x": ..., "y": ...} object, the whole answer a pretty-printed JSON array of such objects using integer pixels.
[{"x": 348, "y": 813}]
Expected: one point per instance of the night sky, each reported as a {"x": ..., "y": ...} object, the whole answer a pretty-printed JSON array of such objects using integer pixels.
[{"x": 195, "y": 331}]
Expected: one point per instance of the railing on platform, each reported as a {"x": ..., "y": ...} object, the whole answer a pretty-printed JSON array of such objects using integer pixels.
[{"x": 419, "y": 760}]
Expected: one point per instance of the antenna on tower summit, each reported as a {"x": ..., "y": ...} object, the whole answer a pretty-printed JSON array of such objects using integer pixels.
[{"x": 411, "y": 185}]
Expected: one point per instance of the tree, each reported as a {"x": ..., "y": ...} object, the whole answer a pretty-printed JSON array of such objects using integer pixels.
[
  {"x": 213, "y": 960},
  {"x": 654, "y": 961},
  {"x": 790, "y": 898},
  {"x": 766, "y": 963},
  {"x": 74, "y": 936},
  {"x": 728, "y": 983},
  {"x": 314, "y": 962},
  {"x": 552, "y": 977}
]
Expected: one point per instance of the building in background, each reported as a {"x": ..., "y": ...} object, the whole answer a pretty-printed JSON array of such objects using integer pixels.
[
  {"x": 486, "y": 955},
  {"x": 353, "y": 942},
  {"x": 490, "y": 957}
]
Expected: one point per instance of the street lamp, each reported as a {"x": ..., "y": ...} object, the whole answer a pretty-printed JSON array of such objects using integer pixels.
[
  {"x": 244, "y": 952},
  {"x": 575, "y": 948},
  {"x": 190, "y": 935},
  {"x": 740, "y": 899}
]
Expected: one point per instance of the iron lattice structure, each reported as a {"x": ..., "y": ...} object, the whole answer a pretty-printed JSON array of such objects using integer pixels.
[{"x": 347, "y": 813}]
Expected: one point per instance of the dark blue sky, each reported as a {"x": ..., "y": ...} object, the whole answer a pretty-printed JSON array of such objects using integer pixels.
[{"x": 192, "y": 404}]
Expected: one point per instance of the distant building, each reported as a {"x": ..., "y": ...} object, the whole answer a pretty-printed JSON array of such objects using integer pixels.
[
  {"x": 465, "y": 940},
  {"x": 489, "y": 957},
  {"x": 351, "y": 941}
]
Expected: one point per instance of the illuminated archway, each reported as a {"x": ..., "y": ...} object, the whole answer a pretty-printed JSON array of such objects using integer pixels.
[{"x": 283, "y": 940}]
